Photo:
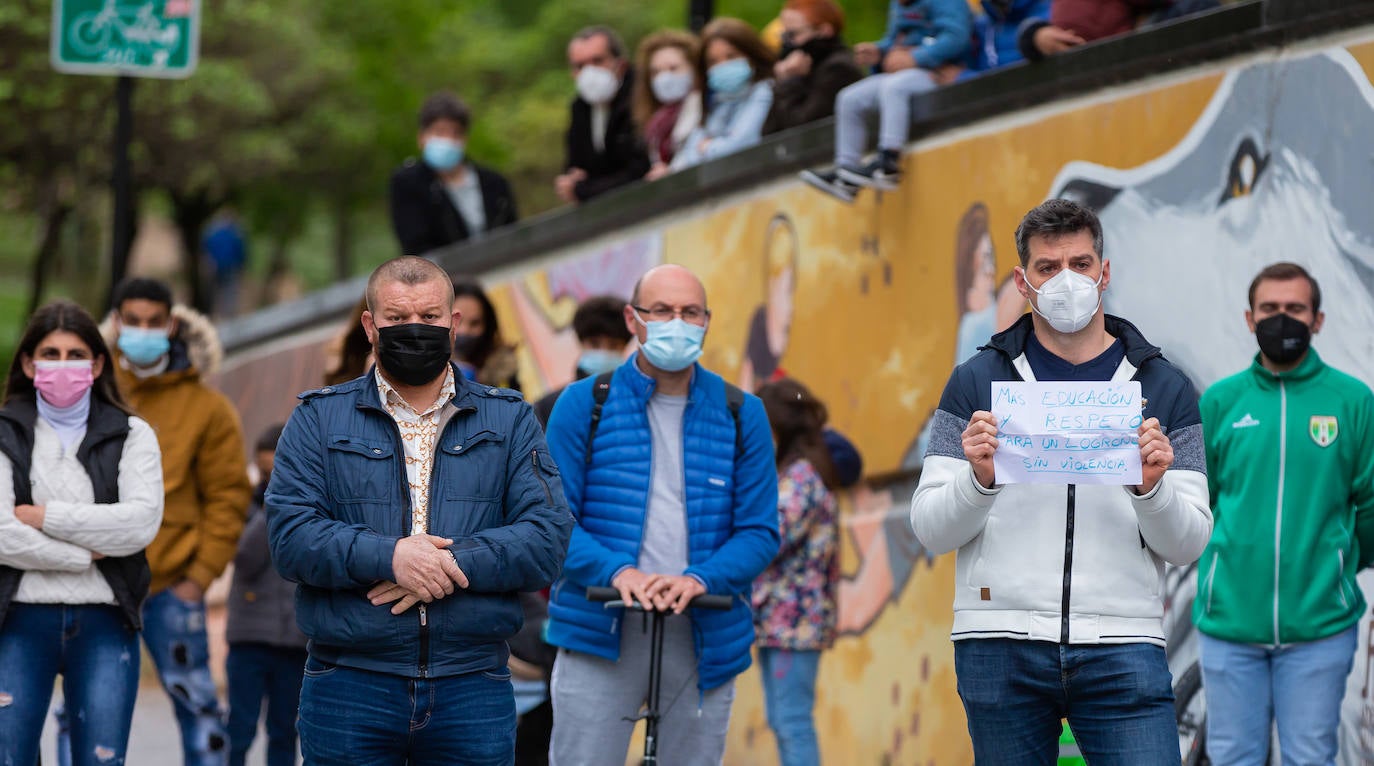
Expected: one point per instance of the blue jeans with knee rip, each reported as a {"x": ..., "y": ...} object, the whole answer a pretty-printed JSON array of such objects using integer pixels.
[
  {"x": 174, "y": 631},
  {"x": 96, "y": 654}
]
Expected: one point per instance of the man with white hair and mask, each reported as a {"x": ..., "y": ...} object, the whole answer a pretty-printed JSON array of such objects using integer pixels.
[{"x": 603, "y": 147}]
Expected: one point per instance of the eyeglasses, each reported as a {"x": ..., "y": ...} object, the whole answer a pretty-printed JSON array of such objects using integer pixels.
[{"x": 689, "y": 314}]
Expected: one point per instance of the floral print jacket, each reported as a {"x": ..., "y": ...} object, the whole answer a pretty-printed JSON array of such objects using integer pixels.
[{"x": 794, "y": 599}]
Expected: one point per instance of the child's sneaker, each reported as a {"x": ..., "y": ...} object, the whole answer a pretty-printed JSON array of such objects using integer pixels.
[
  {"x": 884, "y": 172},
  {"x": 831, "y": 182}
]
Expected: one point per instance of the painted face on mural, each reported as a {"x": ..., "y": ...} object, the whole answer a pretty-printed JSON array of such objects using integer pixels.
[
  {"x": 1248, "y": 186},
  {"x": 982, "y": 292}
]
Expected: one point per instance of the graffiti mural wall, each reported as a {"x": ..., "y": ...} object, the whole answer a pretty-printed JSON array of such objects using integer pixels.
[{"x": 1201, "y": 177}]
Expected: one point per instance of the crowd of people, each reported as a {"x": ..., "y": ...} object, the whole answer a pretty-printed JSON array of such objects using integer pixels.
[
  {"x": 681, "y": 99},
  {"x": 414, "y": 572},
  {"x": 411, "y": 570}
]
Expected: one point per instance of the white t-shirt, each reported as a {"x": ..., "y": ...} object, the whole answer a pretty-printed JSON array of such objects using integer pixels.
[{"x": 467, "y": 197}]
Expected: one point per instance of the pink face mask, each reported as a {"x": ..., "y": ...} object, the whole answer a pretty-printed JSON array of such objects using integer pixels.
[{"x": 63, "y": 384}]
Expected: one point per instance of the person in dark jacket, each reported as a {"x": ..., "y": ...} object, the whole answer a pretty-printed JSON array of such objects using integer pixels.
[
  {"x": 266, "y": 649},
  {"x": 412, "y": 506},
  {"x": 80, "y": 499},
  {"x": 813, "y": 66},
  {"x": 444, "y": 197},
  {"x": 482, "y": 354},
  {"x": 599, "y": 324},
  {"x": 604, "y": 149}
]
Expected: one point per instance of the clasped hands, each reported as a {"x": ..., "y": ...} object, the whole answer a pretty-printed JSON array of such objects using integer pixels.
[
  {"x": 980, "y": 442},
  {"x": 657, "y": 592},
  {"x": 425, "y": 571}
]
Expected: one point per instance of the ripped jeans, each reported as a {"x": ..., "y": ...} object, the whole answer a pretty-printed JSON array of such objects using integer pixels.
[
  {"x": 174, "y": 631},
  {"x": 97, "y": 656}
]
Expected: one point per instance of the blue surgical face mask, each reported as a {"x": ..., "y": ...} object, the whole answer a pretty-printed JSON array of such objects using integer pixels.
[
  {"x": 595, "y": 361},
  {"x": 672, "y": 346},
  {"x": 729, "y": 77},
  {"x": 144, "y": 346},
  {"x": 443, "y": 154}
]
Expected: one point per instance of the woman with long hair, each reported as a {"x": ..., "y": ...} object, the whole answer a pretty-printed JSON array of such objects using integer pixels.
[
  {"x": 349, "y": 354},
  {"x": 794, "y": 599},
  {"x": 479, "y": 350},
  {"x": 667, "y": 96},
  {"x": 737, "y": 68},
  {"x": 80, "y": 499}
]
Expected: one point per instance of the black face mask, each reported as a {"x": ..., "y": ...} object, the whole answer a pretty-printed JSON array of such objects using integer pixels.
[
  {"x": 816, "y": 48},
  {"x": 414, "y": 354},
  {"x": 1282, "y": 339},
  {"x": 465, "y": 346}
]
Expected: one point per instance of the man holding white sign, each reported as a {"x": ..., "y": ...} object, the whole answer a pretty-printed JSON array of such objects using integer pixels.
[{"x": 1066, "y": 466}]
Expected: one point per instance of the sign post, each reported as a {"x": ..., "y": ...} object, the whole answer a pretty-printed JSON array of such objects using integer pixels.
[{"x": 133, "y": 38}]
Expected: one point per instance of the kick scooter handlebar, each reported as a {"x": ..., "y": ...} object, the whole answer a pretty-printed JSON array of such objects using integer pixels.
[{"x": 611, "y": 598}]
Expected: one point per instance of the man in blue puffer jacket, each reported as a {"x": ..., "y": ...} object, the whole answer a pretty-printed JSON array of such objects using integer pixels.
[
  {"x": 412, "y": 506},
  {"x": 673, "y": 484}
]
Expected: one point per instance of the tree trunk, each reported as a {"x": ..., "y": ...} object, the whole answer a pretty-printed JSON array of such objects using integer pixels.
[
  {"x": 54, "y": 216},
  {"x": 343, "y": 239}
]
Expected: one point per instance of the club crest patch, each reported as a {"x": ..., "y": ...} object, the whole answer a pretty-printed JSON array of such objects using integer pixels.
[{"x": 1323, "y": 429}]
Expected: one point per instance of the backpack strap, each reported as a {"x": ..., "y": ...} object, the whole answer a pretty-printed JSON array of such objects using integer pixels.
[{"x": 601, "y": 390}]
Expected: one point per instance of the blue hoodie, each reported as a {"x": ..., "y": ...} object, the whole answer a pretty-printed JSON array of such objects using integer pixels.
[
  {"x": 938, "y": 31},
  {"x": 997, "y": 29}
]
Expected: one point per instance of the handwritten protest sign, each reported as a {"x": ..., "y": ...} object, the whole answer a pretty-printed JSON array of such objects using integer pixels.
[{"x": 1070, "y": 432}]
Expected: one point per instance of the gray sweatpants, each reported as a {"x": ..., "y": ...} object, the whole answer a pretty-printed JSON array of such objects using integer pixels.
[
  {"x": 887, "y": 94},
  {"x": 593, "y": 697}
]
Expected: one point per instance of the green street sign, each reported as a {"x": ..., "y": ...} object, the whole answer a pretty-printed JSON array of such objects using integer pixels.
[{"x": 138, "y": 38}]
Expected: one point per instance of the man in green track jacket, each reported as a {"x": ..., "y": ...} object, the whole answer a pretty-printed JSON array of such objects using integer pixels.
[{"x": 1290, "y": 464}]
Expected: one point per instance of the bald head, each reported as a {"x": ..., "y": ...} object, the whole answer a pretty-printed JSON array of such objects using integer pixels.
[
  {"x": 669, "y": 279},
  {"x": 406, "y": 270}
]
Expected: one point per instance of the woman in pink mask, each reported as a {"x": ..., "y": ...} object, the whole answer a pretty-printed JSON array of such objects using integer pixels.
[{"x": 80, "y": 498}]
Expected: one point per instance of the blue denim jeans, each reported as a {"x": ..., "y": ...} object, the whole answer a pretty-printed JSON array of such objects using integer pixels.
[
  {"x": 174, "y": 631},
  {"x": 1118, "y": 699},
  {"x": 789, "y": 693},
  {"x": 97, "y": 656},
  {"x": 351, "y": 716},
  {"x": 258, "y": 672},
  {"x": 1299, "y": 686}
]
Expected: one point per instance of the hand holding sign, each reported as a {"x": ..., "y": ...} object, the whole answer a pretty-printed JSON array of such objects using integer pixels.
[
  {"x": 1156, "y": 455},
  {"x": 980, "y": 443},
  {"x": 1075, "y": 432}
]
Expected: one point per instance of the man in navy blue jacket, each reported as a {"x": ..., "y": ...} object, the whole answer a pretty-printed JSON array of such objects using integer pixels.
[
  {"x": 673, "y": 483},
  {"x": 412, "y": 505}
]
